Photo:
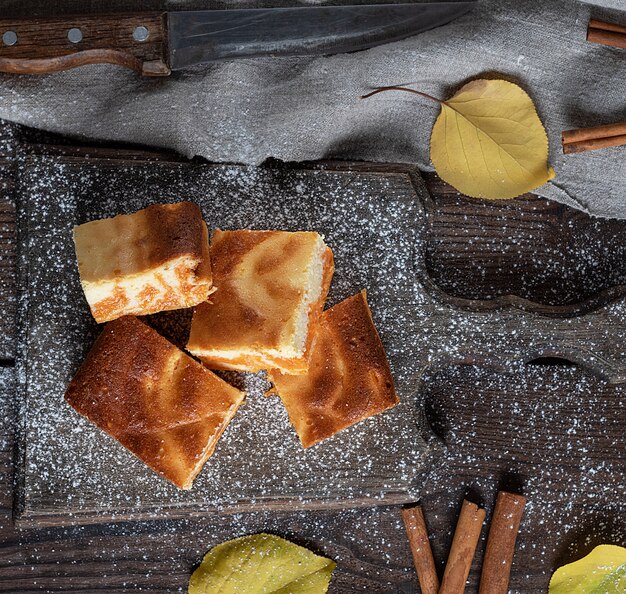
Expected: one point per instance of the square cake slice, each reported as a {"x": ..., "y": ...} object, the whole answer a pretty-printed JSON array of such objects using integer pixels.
[
  {"x": 166, "y": 408},
  {"x": 149, "y": 261},
  {"x": 271, "y": 289},
  {"x": 348, "y": 380}
]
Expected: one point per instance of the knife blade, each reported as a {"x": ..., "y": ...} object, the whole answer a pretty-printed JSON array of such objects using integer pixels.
[
  {"x": 204, "y": 36},
  {"x": 154, "y": 44}
]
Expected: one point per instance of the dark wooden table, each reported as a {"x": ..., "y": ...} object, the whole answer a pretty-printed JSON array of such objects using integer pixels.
[{"x": 551, "y": 429}]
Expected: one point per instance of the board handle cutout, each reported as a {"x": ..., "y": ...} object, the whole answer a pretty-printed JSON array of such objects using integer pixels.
[
  {"x": 541, "y": 361},
  {"x": 497, "y": 339}
]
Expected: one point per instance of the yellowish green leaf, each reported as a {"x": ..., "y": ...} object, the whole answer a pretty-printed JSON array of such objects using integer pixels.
[
  {"x": 488, "y": 141},
  {"x": 261, "y": 564},
  {"x": 603, "y": 571}
]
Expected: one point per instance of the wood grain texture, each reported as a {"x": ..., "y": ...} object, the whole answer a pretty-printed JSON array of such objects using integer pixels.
[
  {"x": 534, "y": 249},
  {"x": 7, "y": 242},
  {"x": 43, "y": 46},
  {"x": 420, "y": 328},
  {"x": 538, "y": 250},
  {"x": 236, "y": 479},
  {"x": 554, "y": 431},
  {"x": 491, "y": 431}
]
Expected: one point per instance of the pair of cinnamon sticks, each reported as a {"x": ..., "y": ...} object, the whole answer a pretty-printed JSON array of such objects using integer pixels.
[
  {"x": 606, "y": 33},
  {"x": 598, "y": 137},
  {"x": 496, "y": 569},
  {"x": 591, "y": 139}
]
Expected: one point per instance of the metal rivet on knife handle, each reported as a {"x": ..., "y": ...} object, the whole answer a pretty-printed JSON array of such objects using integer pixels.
[
  {"x": 9, "y": 38},
  {"x": 141, "y": 34},
  {"x": 74, "y": 35}
]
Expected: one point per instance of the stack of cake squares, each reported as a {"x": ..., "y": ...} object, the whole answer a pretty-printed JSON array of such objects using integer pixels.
[{"x": 258, "y": 299}]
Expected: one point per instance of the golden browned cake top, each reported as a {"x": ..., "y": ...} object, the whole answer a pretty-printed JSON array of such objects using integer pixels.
[
  {"x": 349, "y": 378},
  {"x": 268, "y": 283},
  {"x": 131, "y": 244},
  {"x": 157, "y": 401}
]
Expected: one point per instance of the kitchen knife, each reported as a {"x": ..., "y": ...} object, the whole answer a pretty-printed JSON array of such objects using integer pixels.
[{"x": 154, "y": 43}]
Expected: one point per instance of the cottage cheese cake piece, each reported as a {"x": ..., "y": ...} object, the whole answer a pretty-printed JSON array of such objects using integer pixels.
[
  {"x": 149, "y": 261},
  {"x": 166, "y": 408},
  {"x": 348, "y": 380},
  {"x": 271, "y": 289}
]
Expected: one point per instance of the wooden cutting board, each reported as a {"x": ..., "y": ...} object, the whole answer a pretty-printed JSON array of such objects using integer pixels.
[{"x": 375, "y": 219}]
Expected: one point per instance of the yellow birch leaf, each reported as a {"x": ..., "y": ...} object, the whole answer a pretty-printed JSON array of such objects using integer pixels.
[
  {"x": 603, "y": 571},
  {"x": 261, "y": 564},
  {"x": 488, "y": 141}
]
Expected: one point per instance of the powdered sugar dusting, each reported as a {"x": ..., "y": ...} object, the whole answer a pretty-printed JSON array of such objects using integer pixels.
[
  {"x": 553, "y": 433},
  {"x": 558, "y": 433},
  {"x": 574, "y": 483},
  {"x": 7, "y": 239},
  {"x": 71, "y": 465}
]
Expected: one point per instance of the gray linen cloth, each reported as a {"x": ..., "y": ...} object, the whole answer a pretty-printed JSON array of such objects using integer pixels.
[{"x": 309, "y": 108}]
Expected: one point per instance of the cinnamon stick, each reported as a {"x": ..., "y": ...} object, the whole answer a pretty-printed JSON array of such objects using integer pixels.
[
  {"x": 597, "y": 137},
  {"x": 607, "y": 38},
  {"x": 463, "y": 548},
  {"x": 594, "y": 145},
  {"x": 415, "y": 525},
  {"x": 606, "y": 33},
  {"x": 596, "y": 24},
  {"x": 505, "y": 523}
]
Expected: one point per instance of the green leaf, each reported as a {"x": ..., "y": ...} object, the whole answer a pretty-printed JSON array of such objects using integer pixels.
[
  {"x": 603, "y": 571},
  {"x": 261, "y": 564}
]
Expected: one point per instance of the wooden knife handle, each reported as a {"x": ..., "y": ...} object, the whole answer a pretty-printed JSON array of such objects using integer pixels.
[{"x": 40, "y": 46}]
